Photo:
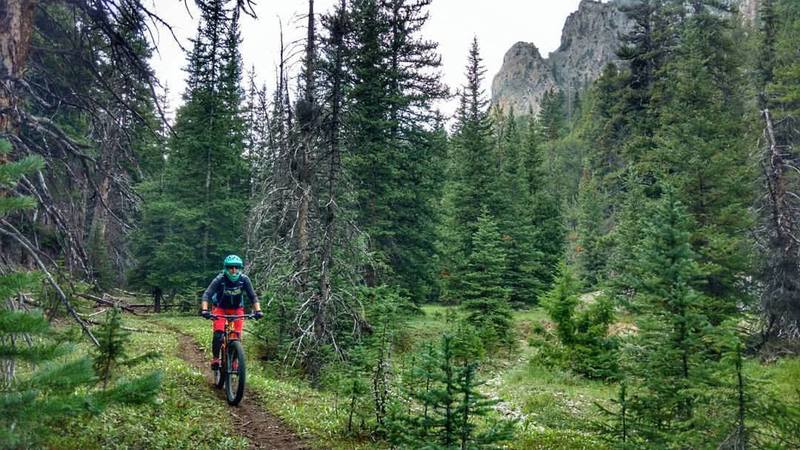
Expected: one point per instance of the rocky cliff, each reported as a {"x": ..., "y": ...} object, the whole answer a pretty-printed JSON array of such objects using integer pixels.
[{"x": 589, "y": 41}]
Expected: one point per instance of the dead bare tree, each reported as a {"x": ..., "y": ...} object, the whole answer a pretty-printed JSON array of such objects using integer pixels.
[
  {"x": 780, "y": 165},
  {"x": 85, "y": 61},
  {"x": 337, "y": 26},
  {"x": 301, "y": 244}
]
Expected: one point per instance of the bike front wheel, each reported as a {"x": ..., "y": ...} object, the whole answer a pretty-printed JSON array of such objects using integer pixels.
[{"x": 235, "y": 370}]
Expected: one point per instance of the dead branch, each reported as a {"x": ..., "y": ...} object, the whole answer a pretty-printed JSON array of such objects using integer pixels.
[{"x": 10, "y": 231}]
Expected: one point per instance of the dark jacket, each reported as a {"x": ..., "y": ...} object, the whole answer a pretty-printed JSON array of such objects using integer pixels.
[{"x": 228, "y": 294}]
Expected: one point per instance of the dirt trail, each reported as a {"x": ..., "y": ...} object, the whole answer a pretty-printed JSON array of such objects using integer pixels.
[{"x": 261, "y": 428}]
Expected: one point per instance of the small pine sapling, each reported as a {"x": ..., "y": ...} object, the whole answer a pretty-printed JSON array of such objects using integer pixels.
[{"x": 112, "y": 352}]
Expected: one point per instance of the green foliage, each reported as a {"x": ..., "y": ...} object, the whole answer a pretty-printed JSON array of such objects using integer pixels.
[
  {"x": 784, "y": 79},
  {"x": 186, "y": 414},
  {"x": 112, "y": 352},
  {"x": 496, "y": 165},
  {"x": 196, "y": 214},
  {"x": 57, "y": 389},
  {"x": 707, "y": 161},
  {"x": 582, "y": 330},
  {"x": 10, "y": 174},
  {"x": 471, "y": 170},
  {"x": 780, "y": 271},
  {"x": 366, "y": 381},
  {"x": 482, "y": 288},
  {"x": 394, "y": 142},
  {"x": 591, "y": 251},
  {"x": 528, "y": 223},
  {"x": 671, "y": 363},
  {"x": 552, "y": 116},
  {"x": 100, "y": 259},
  {"x": 561, "y": 302},
  {"x": 445, "y": 410}
]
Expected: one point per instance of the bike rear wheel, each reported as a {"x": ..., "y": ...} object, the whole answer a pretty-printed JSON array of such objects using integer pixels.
[{"x": 235, "y": 370}]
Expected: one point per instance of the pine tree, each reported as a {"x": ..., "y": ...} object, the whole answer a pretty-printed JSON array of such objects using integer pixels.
[
  {"x": 10, "y": 174},
  {"x": 483, "y": 291},
  {"x": 671, "y": 362},
  {"x": 56, "y": 389},
  {"x": 202, "y": 199},
  {"x": 552, "y": 116},
  {"x": 591, "y": 250},
  {"x": 561, "y": 149},
  {"x": 646, "y": 49},
  {"x": 112, "y": 352},
  {"x": 780, "y": 270},
  {"x": 470, "y": 174},
  {"x": 473, "y": 406},
  {"x": 389, "y": 135},
  {"x": 547, "y": 239},
  {"x": 783, "y": 91},
  {"x": 707, "y": 161},
  {"x": 452, "y": 406},
  {"x": 561, "y": 302},
  {"x": 512, "y": 201},
  {"x": 605, "y": 124},
  {"x": 582, "y": 329},
  {"x": 112, "y": 349}
]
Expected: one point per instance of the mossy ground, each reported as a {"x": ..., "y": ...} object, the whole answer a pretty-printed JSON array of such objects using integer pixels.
[
  {"x": 186, "y": 413},
  {"x": 555, "y": 409}
]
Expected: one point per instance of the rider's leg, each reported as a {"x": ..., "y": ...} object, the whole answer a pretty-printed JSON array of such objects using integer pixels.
[
  {"x": 238, "y": 324},
  {"x": 216, "y": 341}
]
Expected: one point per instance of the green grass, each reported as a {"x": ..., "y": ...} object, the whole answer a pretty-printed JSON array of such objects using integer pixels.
[
  {"x": 555, "y": 408},
  {"x": 186, "y": 414},
  {"x": 781, "y": 376},
  {"x": 313, "y": 414}
]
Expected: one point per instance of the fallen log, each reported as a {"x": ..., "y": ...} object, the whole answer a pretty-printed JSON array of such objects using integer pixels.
[
  {"x": 133, "y": 330},
  {"x": 108, "y": 302}
]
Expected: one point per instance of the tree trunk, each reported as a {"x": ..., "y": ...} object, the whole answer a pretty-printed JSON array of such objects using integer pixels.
[
  {"x": 329, "y": 221},
  {"x": 16, "y": 29},
  {"x": 306, "y": 111},
  {"x": 781, "y": 298},
  {"x": 306, "y": 115}
]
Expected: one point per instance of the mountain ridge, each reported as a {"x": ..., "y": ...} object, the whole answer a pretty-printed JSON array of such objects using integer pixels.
[{"x": 589, "y": 41}]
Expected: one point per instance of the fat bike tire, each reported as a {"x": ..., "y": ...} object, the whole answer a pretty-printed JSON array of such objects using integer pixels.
[{"x": 235, "y": 373}]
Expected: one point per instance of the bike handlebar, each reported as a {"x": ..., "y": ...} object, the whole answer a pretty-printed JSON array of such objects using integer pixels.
[{"x": 232, "y": 317}]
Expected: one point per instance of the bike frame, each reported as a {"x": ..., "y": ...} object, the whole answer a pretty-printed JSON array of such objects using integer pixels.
[{"x": 230, "y": 333}]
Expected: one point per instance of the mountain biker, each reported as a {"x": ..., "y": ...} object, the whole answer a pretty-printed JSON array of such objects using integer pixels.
[{"x": 226, "y": 293}]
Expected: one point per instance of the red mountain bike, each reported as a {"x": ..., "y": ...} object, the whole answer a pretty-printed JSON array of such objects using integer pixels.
[{"x": 231, "y": 372}]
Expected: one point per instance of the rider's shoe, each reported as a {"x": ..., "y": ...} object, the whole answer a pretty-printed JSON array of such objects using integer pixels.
[{"x": 215, "y": 364}]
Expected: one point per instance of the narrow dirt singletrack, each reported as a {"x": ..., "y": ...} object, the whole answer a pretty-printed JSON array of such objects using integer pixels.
[{"x": 262, "y": 429}]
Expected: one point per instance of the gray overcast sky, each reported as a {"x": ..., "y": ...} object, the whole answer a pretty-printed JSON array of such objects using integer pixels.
[{"x": 498, "y": 24}]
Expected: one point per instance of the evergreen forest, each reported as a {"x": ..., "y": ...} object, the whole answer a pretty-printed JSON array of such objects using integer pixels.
[{"x": 617, "y": 269}]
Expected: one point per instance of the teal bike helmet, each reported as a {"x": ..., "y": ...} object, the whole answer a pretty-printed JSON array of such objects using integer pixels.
[{"x": 232, "y": 261}]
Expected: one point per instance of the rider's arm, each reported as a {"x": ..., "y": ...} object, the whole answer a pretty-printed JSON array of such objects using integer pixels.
[
  {"x": 251, "y": 294},
  {"x": 212, "y": 288}
]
